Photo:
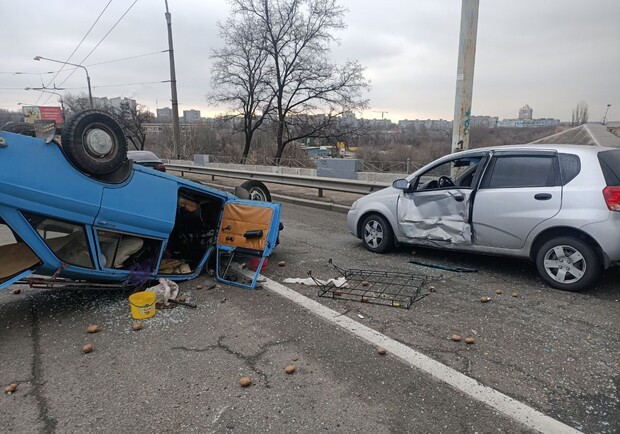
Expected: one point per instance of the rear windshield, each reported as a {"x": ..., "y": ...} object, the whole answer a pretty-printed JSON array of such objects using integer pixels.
[{"x": 610, "y": 163}]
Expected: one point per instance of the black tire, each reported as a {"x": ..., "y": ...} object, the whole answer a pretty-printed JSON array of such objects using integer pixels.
[
  {"x": 19, "y": 128},
  {"x": 377, "y": 234},
  {"x": 94, "y": 142},
  {"x": 568, "y": 263},
  {"x": 258, "y": 190}
]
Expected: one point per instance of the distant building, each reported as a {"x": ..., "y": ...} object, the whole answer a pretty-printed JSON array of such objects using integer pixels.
[
  {"x": 191, "y": 116},
  {"x": 528, "y": 123},
  {"x": 526, "y": 112},
  {"x": 428, "y": 124},
  {"x": 483, "y": 121},
  {"x": 164, "y": 114},
  {"x": 122, "y": 105}
]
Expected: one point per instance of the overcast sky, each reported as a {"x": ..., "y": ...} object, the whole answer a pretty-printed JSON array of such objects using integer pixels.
[{"x": 550, "y": 54}]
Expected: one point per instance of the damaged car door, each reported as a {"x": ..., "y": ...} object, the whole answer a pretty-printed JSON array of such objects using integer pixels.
[
  {"x": 248, "y": 229},
  {"x": 435, "y": 207}
]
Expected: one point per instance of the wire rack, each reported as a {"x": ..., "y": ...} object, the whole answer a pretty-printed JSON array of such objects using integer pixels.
[{"x": 375, "y": 287}]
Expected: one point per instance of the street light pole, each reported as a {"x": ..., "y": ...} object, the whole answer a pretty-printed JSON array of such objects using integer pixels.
[{"x": 90, "y": 93}]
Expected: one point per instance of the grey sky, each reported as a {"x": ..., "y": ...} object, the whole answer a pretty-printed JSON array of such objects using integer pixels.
[{"x": 549, "y": 54}]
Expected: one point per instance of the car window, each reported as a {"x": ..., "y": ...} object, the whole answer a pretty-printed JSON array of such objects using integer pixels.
[
  {"x": 16, "y": 256},
  {"x": 570, "y": 166},
  {"x": 459, "y": 173},
  {"x": 128, "y": 252},
  {"x": 67, "y": 240},
  {"x": 610, "y": 164},
  {"x": 513, "y": 171}
]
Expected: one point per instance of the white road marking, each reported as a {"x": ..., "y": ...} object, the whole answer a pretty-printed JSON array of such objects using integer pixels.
[{"x": 504, "y": 404}]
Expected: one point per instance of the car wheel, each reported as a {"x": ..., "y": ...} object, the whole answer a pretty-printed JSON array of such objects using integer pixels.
[
  {"x": 22, "y": 128},
  {"x": 377, "y": 234},
  {"x": 94, "y": 142},
  {"x": 257, "y": 190},
  {"x": 568, "y": 263}
]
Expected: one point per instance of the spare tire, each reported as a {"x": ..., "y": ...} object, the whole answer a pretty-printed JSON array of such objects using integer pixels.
[
  {"x": 257, "y": 190},
  {"x": 20, "y": 128},
  {"x": 94, "y": 142}
]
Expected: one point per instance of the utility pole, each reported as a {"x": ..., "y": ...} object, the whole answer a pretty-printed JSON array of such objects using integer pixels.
[
  {"x": 176, "y": 131},
  {"x": 465, "y": 75}
]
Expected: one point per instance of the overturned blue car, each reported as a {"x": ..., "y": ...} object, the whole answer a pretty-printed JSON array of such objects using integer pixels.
[{"x": 79, "y": 214}]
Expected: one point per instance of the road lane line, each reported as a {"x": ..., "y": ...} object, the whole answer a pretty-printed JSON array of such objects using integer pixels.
[{"x": 506, "y": 405}]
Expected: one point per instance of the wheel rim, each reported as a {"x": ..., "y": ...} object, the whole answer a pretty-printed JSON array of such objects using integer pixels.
[
  {"x": 99, "y": 142},
  {"x": 373, "y": 233},
  {"x": 257, "y": 194},
  {"x": 565, "y": 264}
]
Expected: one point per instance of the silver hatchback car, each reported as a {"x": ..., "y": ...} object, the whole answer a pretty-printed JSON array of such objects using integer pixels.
[{"x": 558, "y": 205}]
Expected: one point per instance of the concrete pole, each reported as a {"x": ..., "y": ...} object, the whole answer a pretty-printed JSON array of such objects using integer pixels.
[
  {"x": 176, "y": 130},
  {"x": 465, "y": 75}
]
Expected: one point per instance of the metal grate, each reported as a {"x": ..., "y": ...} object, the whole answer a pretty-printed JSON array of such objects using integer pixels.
[{"x": 375, "y": 287}]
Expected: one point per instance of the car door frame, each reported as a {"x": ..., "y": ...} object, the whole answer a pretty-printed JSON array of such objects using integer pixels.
[
  {"x": 270, "y": 242},
  {"x": 469, "y": 199}
]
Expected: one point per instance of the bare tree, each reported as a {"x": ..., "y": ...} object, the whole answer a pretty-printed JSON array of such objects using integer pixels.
[
  {"x": 580, "y": 114},
  {"x": 310, "y": 93},
  {"x": 240, "y": 75}
]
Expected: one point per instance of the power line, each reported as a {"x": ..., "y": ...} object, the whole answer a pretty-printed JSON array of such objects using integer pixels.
[
  {"x": 76, "y": 48},
  {"x": 109, "y": 31},
  {"x": 102, "y": 39},
  {"x": 128, "y": 58}
]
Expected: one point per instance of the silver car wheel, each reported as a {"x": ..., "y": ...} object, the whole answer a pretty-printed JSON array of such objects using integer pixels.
[
  {"x": 564, "y": 264},
  {"x": 373, "y": 234}
]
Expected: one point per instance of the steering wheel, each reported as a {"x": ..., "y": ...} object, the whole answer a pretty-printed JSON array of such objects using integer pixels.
[{"x": 445, "y": 182}]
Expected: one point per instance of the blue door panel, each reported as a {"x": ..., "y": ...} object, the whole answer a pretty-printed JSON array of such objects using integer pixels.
[{"x": 145, "y": 206}]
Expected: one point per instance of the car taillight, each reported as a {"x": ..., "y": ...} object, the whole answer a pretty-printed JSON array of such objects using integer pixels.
[
  {"x": 160, "y": 167},
  {"x": 612, "y": 197}
]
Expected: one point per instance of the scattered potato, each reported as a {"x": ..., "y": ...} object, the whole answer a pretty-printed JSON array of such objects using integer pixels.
[
  {"x": 498, "y": 291},
  {"x": 182, "y": 299},
  {"x": 10, "y": 389},
  {"x": 456, "y": 338},
  {"x": 484, "y": 299},
  {"x": 364, "y": 282},
  {"x": 281, "y": 264},
  {"x": 199, "y": 286},
  {"x": 245, "y": 381},
  {"x": 17, "y": 291},
  {"x": 87, "y": 348},
  {"x": 136, "y": 326},
  {"x": 382, "y": 351},
  {"x": 470, "y": 340},
  {"x": 365, "y": 299},
  {"x": 515, "y": 294},
  {"x": 290, "y": 369},
  {"x": 93, "y": 328}
]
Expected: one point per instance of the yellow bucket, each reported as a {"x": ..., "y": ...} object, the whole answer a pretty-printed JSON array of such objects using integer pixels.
[{"x": 142, "y": 304}]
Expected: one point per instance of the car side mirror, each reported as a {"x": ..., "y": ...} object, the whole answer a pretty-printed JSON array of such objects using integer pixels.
[{"x": 401, "y": 184}]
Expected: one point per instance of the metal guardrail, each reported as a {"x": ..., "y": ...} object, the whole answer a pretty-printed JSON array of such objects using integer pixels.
[{"x": 333, "y": 184}]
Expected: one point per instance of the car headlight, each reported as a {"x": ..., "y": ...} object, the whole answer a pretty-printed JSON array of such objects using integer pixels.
[{"x": 354, "y": 205}]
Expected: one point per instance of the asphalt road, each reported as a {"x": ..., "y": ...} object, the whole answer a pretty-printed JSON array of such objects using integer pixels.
[{"x": 554, "y": 351}]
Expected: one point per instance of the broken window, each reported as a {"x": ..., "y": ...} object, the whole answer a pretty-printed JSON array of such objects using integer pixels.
[
  {"x": 128, "y": 252},
  {"x": 67, "y": 240}
]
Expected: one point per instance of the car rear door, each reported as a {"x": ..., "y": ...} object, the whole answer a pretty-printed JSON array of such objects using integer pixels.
[
  {"x": 519, "y": 190},
  {"x": 247, "y": 230}
]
